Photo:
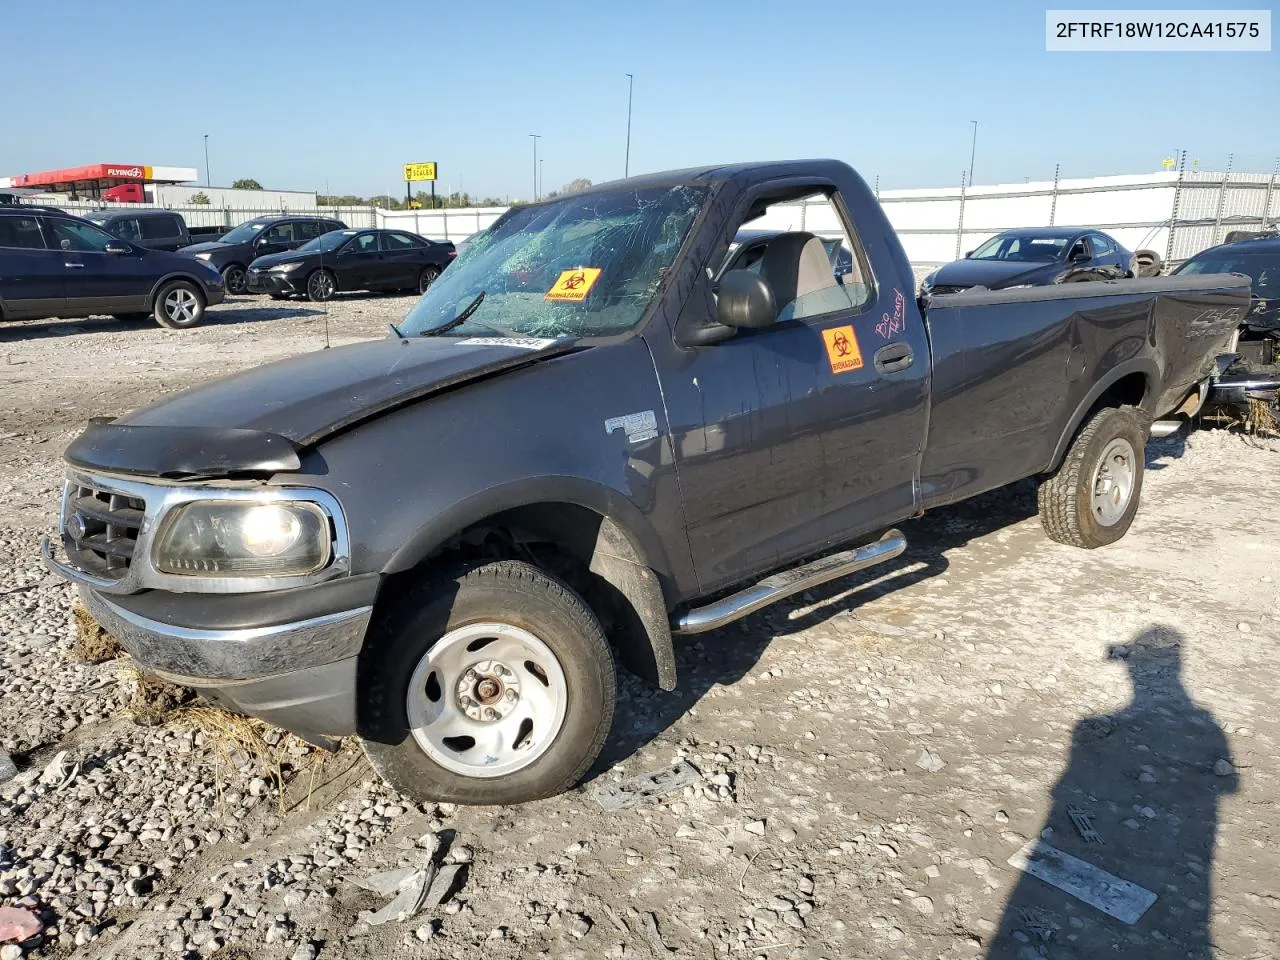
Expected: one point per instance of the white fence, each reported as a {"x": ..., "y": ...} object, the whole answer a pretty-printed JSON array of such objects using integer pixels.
[{"x": 1175, "y": 214}]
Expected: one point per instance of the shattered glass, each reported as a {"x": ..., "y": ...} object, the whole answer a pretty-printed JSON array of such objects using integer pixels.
[{"x": 631, "y": 236}]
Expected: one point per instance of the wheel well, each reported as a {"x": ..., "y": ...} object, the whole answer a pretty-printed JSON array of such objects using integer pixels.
[
  {"x": 586, "y": 550},
  {"x": 1129, "y": 391}
]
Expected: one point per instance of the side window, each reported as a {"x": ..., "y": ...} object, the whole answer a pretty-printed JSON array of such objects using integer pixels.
[
  {"x": 1099, "y": 244},
  {"x": 398, "y": 242},
  {"x": 159, "y": 228},
  {"x": 81, "y": 237},
  {"x": 364, "y": 243},
  {"x": 280, "y": 233},
  {"x": 1081, "y": 245},
  {"x": 21, "y": 232},
  {"x": 328, "y": 226},
  {"x": 126, "y": 228},
  {"x": 813, "y": 265},
  {"x": 307, "y": 229}
]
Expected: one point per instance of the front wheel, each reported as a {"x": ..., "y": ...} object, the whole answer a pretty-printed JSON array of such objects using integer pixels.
[
  {"x": 427, "y": 277},
  {"x": 1091, "y": 499},
  {"x": 179, "y": 305},
  {"x": 321, "y": 285},
  {"x": 489, "y": 685},
  {"x": 234, "y": 279}
]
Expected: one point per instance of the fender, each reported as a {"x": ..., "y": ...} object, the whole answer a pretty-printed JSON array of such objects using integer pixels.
[
  {"x": 627, "y": 554},
  {"x": 1144, "y": 365}
]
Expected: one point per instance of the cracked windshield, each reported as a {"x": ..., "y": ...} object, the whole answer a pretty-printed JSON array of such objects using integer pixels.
[{"x": 585, "y": 266}]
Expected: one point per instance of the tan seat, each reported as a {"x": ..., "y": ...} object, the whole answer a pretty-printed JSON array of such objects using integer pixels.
[{"x": 797, "y": 268}]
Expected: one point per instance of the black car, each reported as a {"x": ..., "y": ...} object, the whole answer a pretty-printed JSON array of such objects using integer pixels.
[
  {"x": 1257, "y": 374},
  {"x": 232, "y": 253},
  {"x": 55, "y": 265},
  {"x": 351, "y": 260},
  {"x": 153, "y": 229},
  {"x": 1033, "y": 258}
]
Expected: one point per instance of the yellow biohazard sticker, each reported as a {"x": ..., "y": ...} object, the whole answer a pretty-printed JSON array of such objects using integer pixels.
[
  {"x": 574, "y": 284},
  {"x": 842, "y": 349}
]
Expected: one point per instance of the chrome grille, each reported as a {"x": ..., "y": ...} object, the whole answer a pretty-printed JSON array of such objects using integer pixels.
[{"x": 100, "y": 528}]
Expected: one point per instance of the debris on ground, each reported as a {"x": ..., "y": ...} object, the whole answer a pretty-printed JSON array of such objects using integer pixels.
[
  {"x": 1082, "y": 820},
  {"x": 646, "y": 786},
  {"x": 154, "y": 701},
  {"x": 18, "y": 924},
  {"x": 412, "y": 890},
  {"x": 92, "y": 643}
]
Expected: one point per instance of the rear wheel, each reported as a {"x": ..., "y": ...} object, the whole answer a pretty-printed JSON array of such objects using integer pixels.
[
  {"x": 321, "y": 285},
  {"x": 1092, "y": 498},
  {"x": 427, "y": 277},
  {"x": 491, "y": 684},
  {"x": 179, "y": 305},
  {"x": 233, "y": 276}
]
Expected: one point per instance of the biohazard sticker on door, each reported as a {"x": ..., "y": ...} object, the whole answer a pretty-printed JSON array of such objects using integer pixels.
[
  {"x": 842, "y": 349},
  {"x": 574, "y": 284}
]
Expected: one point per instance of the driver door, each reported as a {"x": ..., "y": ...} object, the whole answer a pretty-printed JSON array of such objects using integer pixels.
[{"x": 98, "y": 281}]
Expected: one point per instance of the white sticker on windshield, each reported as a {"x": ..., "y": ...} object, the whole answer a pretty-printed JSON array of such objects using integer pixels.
[{"x": 524, "y": 343}]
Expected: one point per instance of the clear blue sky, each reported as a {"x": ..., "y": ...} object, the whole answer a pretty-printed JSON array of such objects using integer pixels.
[{"x": 300, "y": 96}]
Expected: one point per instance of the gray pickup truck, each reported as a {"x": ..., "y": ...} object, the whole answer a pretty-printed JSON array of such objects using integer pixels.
[{"x": 584, "y": 439}]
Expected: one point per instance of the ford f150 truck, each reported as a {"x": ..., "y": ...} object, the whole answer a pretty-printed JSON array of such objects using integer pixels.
[{"x": 580, "y": 441}]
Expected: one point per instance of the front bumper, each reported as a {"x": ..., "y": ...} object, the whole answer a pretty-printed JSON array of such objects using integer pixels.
[
  {"x": 264, "y": 281},
  {"x": 299, "y": 674},
  {"x": 214, "y": 293}
]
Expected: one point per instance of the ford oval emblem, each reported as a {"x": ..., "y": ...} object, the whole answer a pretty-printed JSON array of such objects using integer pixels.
[{"x": 76, "y": 527}]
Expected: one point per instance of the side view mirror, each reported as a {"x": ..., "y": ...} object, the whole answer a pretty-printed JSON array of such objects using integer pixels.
[
  {"x": 746, "y": 301},
  {"x": 1079, "y": 256},
  {"x": 117, "y": 247},
  {"x": 968, "y": 254}
]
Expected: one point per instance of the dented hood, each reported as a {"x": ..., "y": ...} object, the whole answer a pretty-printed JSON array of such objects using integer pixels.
[{"x": 308, "y": 398}]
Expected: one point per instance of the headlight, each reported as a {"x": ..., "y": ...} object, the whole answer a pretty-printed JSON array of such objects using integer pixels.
[
  {"x": 204, "y": 256},
  {"x": 236, "y": 538},
  {"x": 285, "y": 267}
]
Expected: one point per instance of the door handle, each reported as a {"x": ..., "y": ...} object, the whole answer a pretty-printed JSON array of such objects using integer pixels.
[
  {"x": 894, "y": 357},
  {"x": 74, "y": 266}
]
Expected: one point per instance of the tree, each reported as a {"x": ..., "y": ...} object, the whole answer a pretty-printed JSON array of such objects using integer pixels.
[
  {"x": 247, "y": 183},
  {"x": 201, "y": 198},
  {"x": 573, "y": 186}
]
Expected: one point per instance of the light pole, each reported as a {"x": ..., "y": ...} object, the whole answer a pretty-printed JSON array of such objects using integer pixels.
[
  {"x": 972, "y": 149},
  {"x": 535, "y": 136},
  {"x": 626, "y": 166},
  {"x": 540, "y": 180},
  {"x": 208, "y": 180}
]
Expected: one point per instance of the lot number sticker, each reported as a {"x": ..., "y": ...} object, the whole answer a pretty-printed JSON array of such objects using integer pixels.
[
  {"x": 574, "y": 284},
  {"x": 842, "y": 349}
]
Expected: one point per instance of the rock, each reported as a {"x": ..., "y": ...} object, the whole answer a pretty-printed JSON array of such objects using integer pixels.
[
  {"x": 1244, "y": 627},
  {"x": 425, "y": 932},
  {"x": 755, "y": 826},
  {"x": 1001, "y": 817},
  {"x": 216, "y": 901},
  {"x": 929, "y": 761},
  {"x": 1132, "y": 824},
  {"x": 578, "y": 926},
  {"x": 786, "y": 835},
  {"x": 18, "y": 924},
  {"x": 923, "y": 905},
  {"x": 932, "y": 872},
  {"x": 10, "y": 951},
  {"x": 305, "y": 951},
  {"x": 7, "y": 769},
  {"x": 1223, "y": 768}
]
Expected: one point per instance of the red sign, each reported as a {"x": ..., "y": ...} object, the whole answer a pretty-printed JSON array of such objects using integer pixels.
[{"x": 97, "y": 171}]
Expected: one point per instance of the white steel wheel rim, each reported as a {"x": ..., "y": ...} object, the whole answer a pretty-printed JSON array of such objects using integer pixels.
[
  {"x": 487, "y": 700},
  {"x": 181, "y": 305},
  {"x": 1113, "y": 482}
]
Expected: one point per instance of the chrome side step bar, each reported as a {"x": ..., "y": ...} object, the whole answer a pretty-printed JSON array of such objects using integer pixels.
[
  {"x": 784, "y": 584},
  {"x": 1165, "y": 428}
]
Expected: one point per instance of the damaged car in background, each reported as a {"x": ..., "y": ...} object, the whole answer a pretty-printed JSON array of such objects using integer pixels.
[
  {"x": 1250, "y": 386},
  {"x": 583, "y": 439},
  {"x": 1035, "y": 257}
]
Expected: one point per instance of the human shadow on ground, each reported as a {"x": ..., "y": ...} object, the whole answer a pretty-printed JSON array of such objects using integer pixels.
[
  {"x": 725, "y": 656},
  {"x": 1139, "y": 800}
]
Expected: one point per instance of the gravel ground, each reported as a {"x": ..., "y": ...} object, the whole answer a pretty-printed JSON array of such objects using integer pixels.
[{"x": 867, "y": 756}]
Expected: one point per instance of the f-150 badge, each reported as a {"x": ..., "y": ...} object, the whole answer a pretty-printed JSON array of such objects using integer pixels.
[{"x": 637, "y": 426}]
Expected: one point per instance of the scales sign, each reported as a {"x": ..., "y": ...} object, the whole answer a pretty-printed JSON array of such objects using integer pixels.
[{"x": 419, "y": 171}]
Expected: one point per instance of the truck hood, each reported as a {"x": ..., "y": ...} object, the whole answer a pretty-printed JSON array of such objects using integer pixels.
[
  {"x": 307, "y": 398},
  {"x": 991, "y": 274}
]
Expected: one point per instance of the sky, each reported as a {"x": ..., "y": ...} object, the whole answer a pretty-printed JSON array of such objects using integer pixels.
[{"x": 337, "y": 96}]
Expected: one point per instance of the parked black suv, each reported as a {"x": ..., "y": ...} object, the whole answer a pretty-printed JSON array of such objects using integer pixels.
[
  {"x": 55, "y": 265},
  {"x": 232, "y": 253},
  {"x": 153, "y": 229}
]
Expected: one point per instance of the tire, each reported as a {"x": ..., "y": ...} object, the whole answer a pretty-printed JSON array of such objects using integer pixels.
[
  {"x": 1148, "y": 263},
  {"x": 321, "y": 285},
  {"x": 424, "y": 677},
  {"x": 179, "y": 305},
  {"x": 427, "y": 277},
  {"x": 1091, "y": 499},
  {"x": 233, "y": 276}
]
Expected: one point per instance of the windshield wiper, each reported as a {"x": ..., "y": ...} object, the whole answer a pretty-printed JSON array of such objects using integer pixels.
[{"x": 456, "y": 321}]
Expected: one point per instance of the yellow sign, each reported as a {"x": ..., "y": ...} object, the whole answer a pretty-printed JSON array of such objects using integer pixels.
[
  {"x": 1168, "y": 163},
  {"x": 842, "y": 349},
  {"x": 419, "y": 171},
  {"x": 574, "y": 284}
]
